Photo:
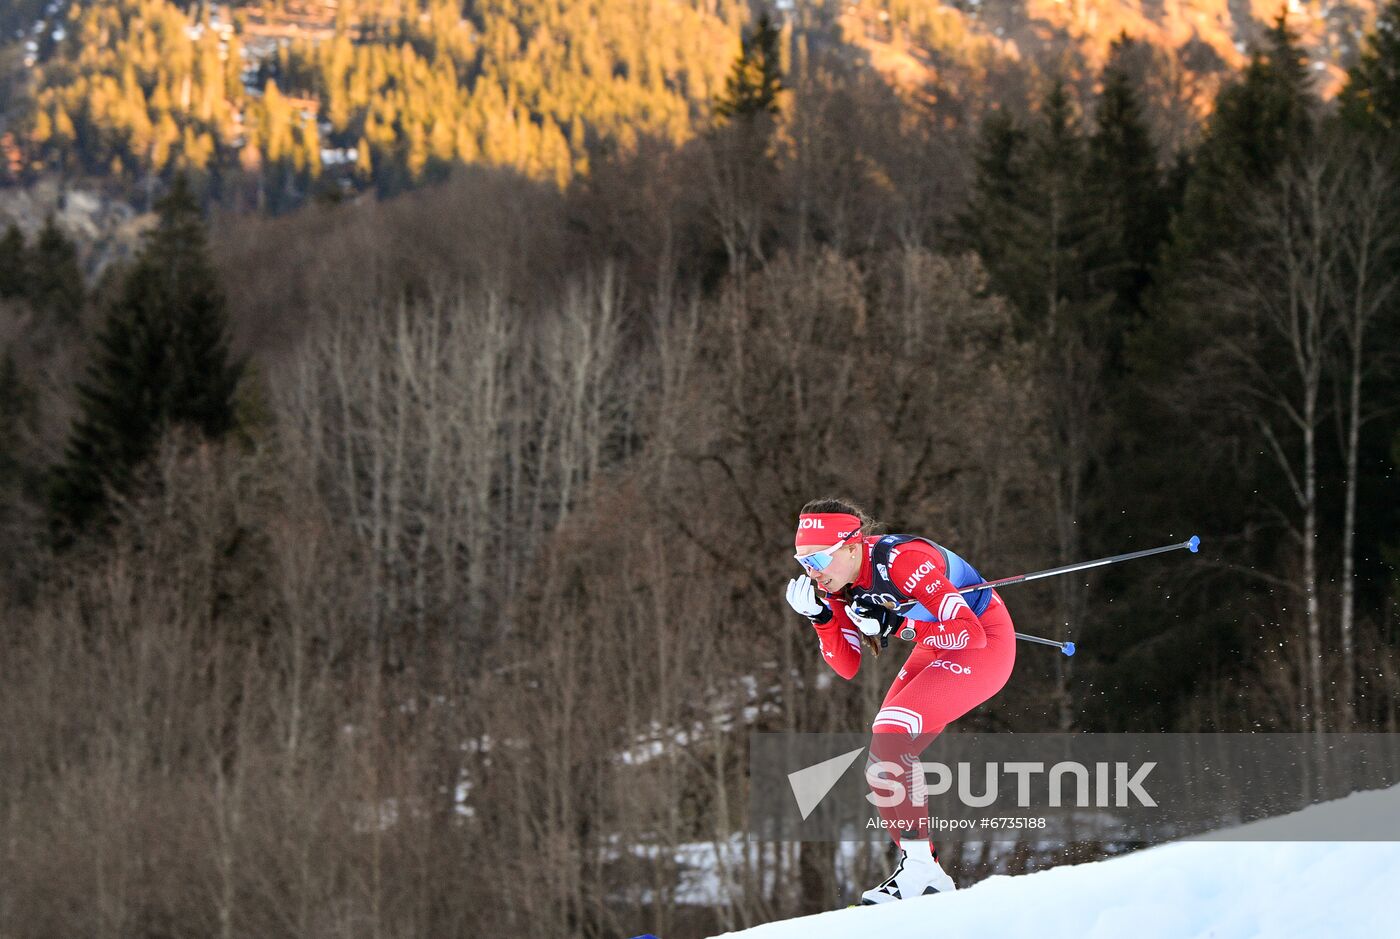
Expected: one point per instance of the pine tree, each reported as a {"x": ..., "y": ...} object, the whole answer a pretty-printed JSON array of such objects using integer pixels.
[
  {"x": 755, "y": 81},
  {"x": 1042, "y": 245},
  {"x": 14, "y": 262},
  {"x": 162, "y": 360},
  {"x": 1059, "y": 155},
  {"x": 1028, "y": 218},
  {"x": 1258, "y": 123},
  {"x": 15, "y": 402},
  {"x": 996, "y": 223},
  {"x": 54, "y": 280},
  {"x": 1125, "y": 187},
  {"x": 1391, "y": 552},
  {"x": 17, "y": 414},
  {"x": 1371, "y": 97}
]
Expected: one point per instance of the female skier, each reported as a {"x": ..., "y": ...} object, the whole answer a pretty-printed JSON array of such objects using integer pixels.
[{"x": 964, "y": 648}]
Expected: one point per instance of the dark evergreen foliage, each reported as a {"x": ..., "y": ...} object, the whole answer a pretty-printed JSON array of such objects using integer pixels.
[
  {"x": 1371, "y": 97},
  {"x": 755, "y": 81},
  {"x": 1126, "y": 188},
  {"x": 1257, "y": 124},
  {"x": 1030, "y": 217},
  {"x": 54, "y": 281},
  {"x": 162, "y": 360},
  {"x": 13, "y": 262},
  {"x": 15, "y": 400},
  {"x": 1180, "y": 449},
  {"x": 995, "y": 224}
]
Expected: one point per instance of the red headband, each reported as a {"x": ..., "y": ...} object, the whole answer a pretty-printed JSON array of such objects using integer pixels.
[{"x": 825, "y": 528}]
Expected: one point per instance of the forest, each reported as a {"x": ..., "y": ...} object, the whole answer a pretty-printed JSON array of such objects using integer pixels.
[
  {"x": 268, "y": 105},
  {"x": 410, "y": 560}
]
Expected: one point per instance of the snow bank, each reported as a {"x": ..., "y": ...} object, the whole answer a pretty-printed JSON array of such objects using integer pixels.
[{"x": 1198, "y": 888}]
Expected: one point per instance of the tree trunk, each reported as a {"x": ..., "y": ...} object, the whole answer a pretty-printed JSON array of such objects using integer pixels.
[
  {"x": 1310, "y": 560},
  {"x": 1347, "y": 710}
]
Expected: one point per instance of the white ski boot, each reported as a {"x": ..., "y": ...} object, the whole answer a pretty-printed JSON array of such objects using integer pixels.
[{"x": 916, "y": 875}]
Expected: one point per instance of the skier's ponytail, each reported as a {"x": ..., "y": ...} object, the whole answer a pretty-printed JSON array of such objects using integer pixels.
[{"x": 867, "y": 527}]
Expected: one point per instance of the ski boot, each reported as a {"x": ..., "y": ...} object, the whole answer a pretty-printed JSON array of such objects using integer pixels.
[{"x": 917, "y": 874}]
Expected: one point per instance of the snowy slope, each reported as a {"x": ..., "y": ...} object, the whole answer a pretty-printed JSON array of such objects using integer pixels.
[{"x": 1217, "y": 889}]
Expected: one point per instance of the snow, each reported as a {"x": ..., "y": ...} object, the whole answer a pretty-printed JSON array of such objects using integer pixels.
[
  {"x": 1208, "y": 887},
  {"x": 709, "y": 870},
  {"x": 702, "y": 868}
]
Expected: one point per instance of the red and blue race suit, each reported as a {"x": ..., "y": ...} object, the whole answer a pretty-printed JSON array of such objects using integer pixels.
[{"x": 963, "y": 653}]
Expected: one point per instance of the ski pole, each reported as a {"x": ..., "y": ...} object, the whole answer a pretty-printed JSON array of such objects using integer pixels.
[
  {"x": 1066, "y": 647},
  {"x": 1192, "y": 544}
]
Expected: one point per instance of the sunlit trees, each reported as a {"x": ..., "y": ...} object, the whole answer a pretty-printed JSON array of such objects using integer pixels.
[{"x": 138, "y": 89}]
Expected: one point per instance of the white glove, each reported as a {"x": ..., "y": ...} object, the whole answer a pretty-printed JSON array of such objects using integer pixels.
[
  {"x": 866, "y": 624},
  {"x": 802, "y": 597}
]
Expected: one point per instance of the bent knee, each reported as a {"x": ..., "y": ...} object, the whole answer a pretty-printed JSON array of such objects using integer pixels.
[{"x": 892, "y": 719}]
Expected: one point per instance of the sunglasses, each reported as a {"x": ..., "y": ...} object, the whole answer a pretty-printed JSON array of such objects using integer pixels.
[{"x": 813, "y": 563}]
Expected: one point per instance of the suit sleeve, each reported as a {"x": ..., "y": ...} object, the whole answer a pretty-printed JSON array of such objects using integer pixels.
[
  {"x": 919, "y": 573},
  {"x": 840, "y": 642}
]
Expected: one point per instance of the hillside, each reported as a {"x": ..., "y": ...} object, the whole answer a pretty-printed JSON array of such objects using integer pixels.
[
  {"x": 934, "y": 51},
  {"x": 273, "y": 102},
  {"x": 1218, "y": 888}
]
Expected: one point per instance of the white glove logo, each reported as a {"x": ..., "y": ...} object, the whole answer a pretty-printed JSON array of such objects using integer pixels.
[{"x": 866, "y": 624}]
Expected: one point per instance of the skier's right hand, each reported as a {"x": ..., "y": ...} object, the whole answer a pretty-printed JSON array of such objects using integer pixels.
[
  {"x": 873, "y": 621},
  {"x": 867, "y": 622},
  {"x": 802, "y": 597}
]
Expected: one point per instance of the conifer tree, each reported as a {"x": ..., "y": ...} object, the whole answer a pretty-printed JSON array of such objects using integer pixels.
[
  {"x": 1125, "y": 186},
  {"x": 162, "y": 360},
  {"x": 1371, "y": 97},
  {"x": 1391, "y": 551},
  {"x": 1028, "y": 217},
  {"x": 1257, "y": 124},
  {"x": 755, "y": 81},
  {"x": 54, "y": 282},
  {"x": 1042, "y": 245},
  {"x": 1371, "y": 102},
  {"x": 995, "y": 223},
  {"x": 13, "y": 262},
  {"x": 14, "y": 399},
  {"x": 1070, "y": 233}
]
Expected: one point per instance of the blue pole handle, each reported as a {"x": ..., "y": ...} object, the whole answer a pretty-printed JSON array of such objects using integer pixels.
[{"x": 1194, "y": 543}]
